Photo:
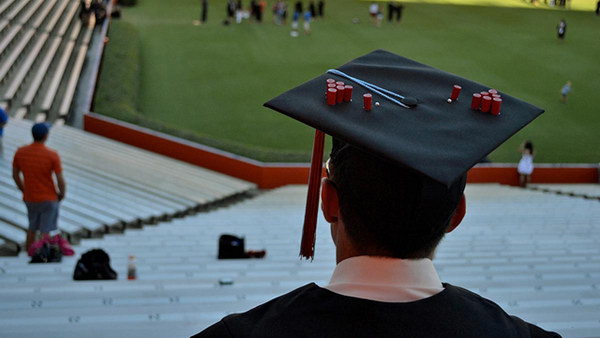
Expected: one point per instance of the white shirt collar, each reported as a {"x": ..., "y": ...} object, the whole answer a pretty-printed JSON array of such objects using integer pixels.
[{"x": 385, "y": 279}]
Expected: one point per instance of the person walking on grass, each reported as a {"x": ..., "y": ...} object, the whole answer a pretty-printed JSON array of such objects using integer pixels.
[
  {"x": 203, "y": 13},
  {"x": 561, "y": 29},
  {"x": 321, "y": 8},
  {"x": 564, "y": 92},
  {"x": 307, "y": 19},
  {"x": 525, "y": 166},
  {"x": 375, "y": 14},
  {"x": 34, "y": 166}
]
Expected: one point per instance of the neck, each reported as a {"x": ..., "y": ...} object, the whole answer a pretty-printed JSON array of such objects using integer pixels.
[{"x": 346, "y": 251}]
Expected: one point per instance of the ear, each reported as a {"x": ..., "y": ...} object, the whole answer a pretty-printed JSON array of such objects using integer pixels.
[
  {"x": 459, "y": 214},
  {"x": 329, "y": 201}
]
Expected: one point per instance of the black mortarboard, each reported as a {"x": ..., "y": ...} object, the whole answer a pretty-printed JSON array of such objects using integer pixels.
[{"x": 414, "y": 125}]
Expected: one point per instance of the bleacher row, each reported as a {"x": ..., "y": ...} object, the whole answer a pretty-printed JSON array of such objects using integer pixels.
[
  {"x": 587, "y": 191},
  {"x": 536, "y": 254},
  {"x": 43, "y": 45},
  {"x": 109, "y": 185}
]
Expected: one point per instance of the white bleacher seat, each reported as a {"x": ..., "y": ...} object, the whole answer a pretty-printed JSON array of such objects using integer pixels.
[
  {"x": 41, "y": 72},
  {"x": 11, "y": 233},
  {"x": 48, "y": 99},
  {"x": 56, "y": 16},
  {"x": 14, "y": 12},
  {"x": 20, "y": 113},
  {"x": 8, "y": 38},
  {"x": 30, "y": 11},
  {"x": 12, "y": 215},
  {"x": 66, "y": 21},
  {"x": 59, "y": 122},
  {"x": 17, "y": 80},
  {"x": 126, "y": 194},
  {"x": 43, "y": 14},
  {"x": 580, "y": 190},
  {"x": 75, "y": 31},
  {"x": 63, "y": 109},
  {"x": 15, "y": 53},
  {"x": 40, "y": 117},
  {"x": 3, "y": 24},
  {"x": 5, "y": 4}
]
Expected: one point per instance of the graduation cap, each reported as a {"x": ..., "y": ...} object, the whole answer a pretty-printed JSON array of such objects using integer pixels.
[{"x": 433, "y": 122}]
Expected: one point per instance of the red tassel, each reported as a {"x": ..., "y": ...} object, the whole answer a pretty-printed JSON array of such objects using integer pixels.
[{"x": 307, "y": 247}]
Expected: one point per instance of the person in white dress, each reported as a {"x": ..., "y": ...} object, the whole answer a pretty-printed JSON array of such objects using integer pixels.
[{"x": 525, "y": 167}]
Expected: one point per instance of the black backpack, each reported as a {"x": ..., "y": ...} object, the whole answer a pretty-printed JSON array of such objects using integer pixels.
[
  {"x": 94, "y": 265},
  {"x": 47, "y": 253},
  {"x": 231, "y": 246}
]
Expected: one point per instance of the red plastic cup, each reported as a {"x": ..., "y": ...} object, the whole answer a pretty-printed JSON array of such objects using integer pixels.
[
  {"x": 485, "y": 94},
  {"x": 496, "y": 96},
  {"x": 475, "y": 101},
  {"x": 339, "y": 83},
  {"x": 496, "y": 104},
  {"x": 367, "y": 102},
  {"x": 331, "y": 96},
  {"x": 340, "y": 94},
  {"x": 486, "y": 103},
  {"x": 347, "y": 93},
  {"x": 492, "y": 91},
  {"x": 329, "y": 82},
  {"x": 455, "y": 92}
]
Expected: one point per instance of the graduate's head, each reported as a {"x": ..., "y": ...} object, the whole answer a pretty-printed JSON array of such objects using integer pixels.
[
  {"x": 404, "y": 138},
  {"x": 387, "y": 209}
]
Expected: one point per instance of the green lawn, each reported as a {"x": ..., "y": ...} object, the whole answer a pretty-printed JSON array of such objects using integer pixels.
[{"x": 208, "y": 83}]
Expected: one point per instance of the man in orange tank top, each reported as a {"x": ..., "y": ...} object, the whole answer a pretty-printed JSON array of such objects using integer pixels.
[{"x": 33, "y": 166}]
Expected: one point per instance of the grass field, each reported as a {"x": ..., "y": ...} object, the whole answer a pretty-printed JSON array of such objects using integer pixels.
[{"x": 208, "y": 83}]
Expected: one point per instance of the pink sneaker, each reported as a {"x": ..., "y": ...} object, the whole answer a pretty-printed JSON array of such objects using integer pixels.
[
  {"x": 63, "y": 244},
  {"x": 38, "y": 244}
]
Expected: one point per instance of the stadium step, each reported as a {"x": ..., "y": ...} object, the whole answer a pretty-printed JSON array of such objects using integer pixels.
[
  {"x": 38, "y": 84},
  {"x": 535, "y": 254},
  {"x": 107, "y": 192},
  {"x": 588, "y": 191}
]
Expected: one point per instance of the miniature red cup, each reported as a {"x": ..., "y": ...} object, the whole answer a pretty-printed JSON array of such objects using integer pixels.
[
  {"x": 331, "y": 96},
  {"x": 367, "y": 102}
]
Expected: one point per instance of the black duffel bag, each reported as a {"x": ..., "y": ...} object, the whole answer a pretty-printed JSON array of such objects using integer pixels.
[
  {"x": 94, "y": 265},
  {"x": 231, "y": 246}
]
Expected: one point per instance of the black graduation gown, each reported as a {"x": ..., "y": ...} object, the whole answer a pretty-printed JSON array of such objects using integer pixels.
[{"x": 312, "y": 311}]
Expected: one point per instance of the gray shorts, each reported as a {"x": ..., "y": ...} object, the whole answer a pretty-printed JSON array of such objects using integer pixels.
[{"x": 43, "y": 216}]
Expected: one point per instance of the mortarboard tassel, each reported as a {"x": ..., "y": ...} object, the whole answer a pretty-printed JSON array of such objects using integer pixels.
[{"x": 307, "y": 247}]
